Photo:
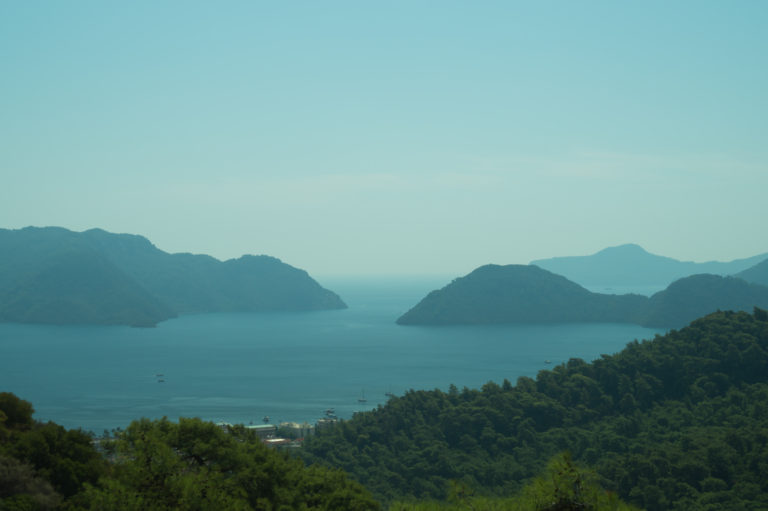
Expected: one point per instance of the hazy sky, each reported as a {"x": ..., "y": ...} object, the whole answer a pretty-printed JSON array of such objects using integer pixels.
[{"x": 390, "y": 137}]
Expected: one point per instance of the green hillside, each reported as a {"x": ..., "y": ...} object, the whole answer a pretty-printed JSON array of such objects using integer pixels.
[
  {"x": 157, "y": 466},
  {"x": 679, "y": 422}
]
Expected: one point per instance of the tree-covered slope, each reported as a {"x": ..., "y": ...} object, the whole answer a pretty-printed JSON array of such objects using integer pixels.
[
  {"x": 519, "y": 293},
  {"x": 631, "y": 265},
  {"x": 679, "y": 422},
  {"x": 564, "y": 486},
  {"x": 42, "y": 464},
  {"x": 528, "y": 294},
  {"x": 52, "y": 275},
  {"x": 158, "y": 466}
]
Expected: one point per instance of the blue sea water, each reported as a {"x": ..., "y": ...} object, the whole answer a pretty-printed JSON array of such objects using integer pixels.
[{"x": 239, "y": 368}]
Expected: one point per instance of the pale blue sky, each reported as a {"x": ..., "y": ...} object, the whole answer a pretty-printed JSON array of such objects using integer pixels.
[{"x": 390, "y": 137}]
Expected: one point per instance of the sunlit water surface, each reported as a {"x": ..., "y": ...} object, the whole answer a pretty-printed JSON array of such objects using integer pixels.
[{"x": 240, "y": 368}]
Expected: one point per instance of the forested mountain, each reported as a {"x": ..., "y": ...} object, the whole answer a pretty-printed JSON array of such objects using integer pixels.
[
  {"x": 53, "y": 275},
  {"x": 201, "y": 283},
  {"x": 631, "y": 265},
  {"x": 757, "y": 274},
  {"x": 76, "y": 285},
  {"x": 697, "y": 295},
  {"x": 528, "y": 294},
  {"x": 519, "y": 293},
  {"x": 679, "y": 422}
]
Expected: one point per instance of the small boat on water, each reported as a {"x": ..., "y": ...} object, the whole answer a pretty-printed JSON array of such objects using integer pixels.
[{"x": 362, "y": 399}]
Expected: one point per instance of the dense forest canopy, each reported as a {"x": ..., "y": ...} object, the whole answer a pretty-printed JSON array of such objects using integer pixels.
[
  {"x": 196, "y": 465},
  {"x": 677, "y": 422},
  {"x": 158, "y": 465}
]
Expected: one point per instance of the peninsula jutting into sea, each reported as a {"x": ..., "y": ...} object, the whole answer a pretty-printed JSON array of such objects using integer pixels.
[
  {"x": 528, "y": 294},
  {"x": 53, "y": 275}
]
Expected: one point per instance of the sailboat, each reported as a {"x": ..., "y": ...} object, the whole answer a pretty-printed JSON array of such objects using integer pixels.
[{"x": 362, "y": 399}]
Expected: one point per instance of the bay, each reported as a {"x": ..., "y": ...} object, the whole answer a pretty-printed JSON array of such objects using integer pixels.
[{"x": 240, "y": 368}]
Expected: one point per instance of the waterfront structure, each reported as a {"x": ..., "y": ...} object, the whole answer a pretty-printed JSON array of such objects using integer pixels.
[{"x": 263, "y": 430}]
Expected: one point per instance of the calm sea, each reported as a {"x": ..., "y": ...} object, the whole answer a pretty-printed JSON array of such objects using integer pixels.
[{"x": 240, "y": 368}]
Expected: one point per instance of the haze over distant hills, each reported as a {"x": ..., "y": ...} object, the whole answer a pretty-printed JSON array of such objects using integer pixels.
[
  {"x": 518, "y": 294},
  {"x": 53, "y": 275},
  {"x": 757, "y": 274},
  {"x": 698, "y": 295},
  {"x": 631, "y": 265},
  {"x": 529, "y": 294}
]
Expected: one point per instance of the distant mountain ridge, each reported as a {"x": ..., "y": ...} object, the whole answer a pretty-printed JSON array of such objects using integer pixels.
[
  {"x": 529, "y": 294},
  {"x": 757, "y": 274},
  {"x": 53, "y": 275},
  {"x": 698, "y": 295},
  {"x": 631, "y": 265}
]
